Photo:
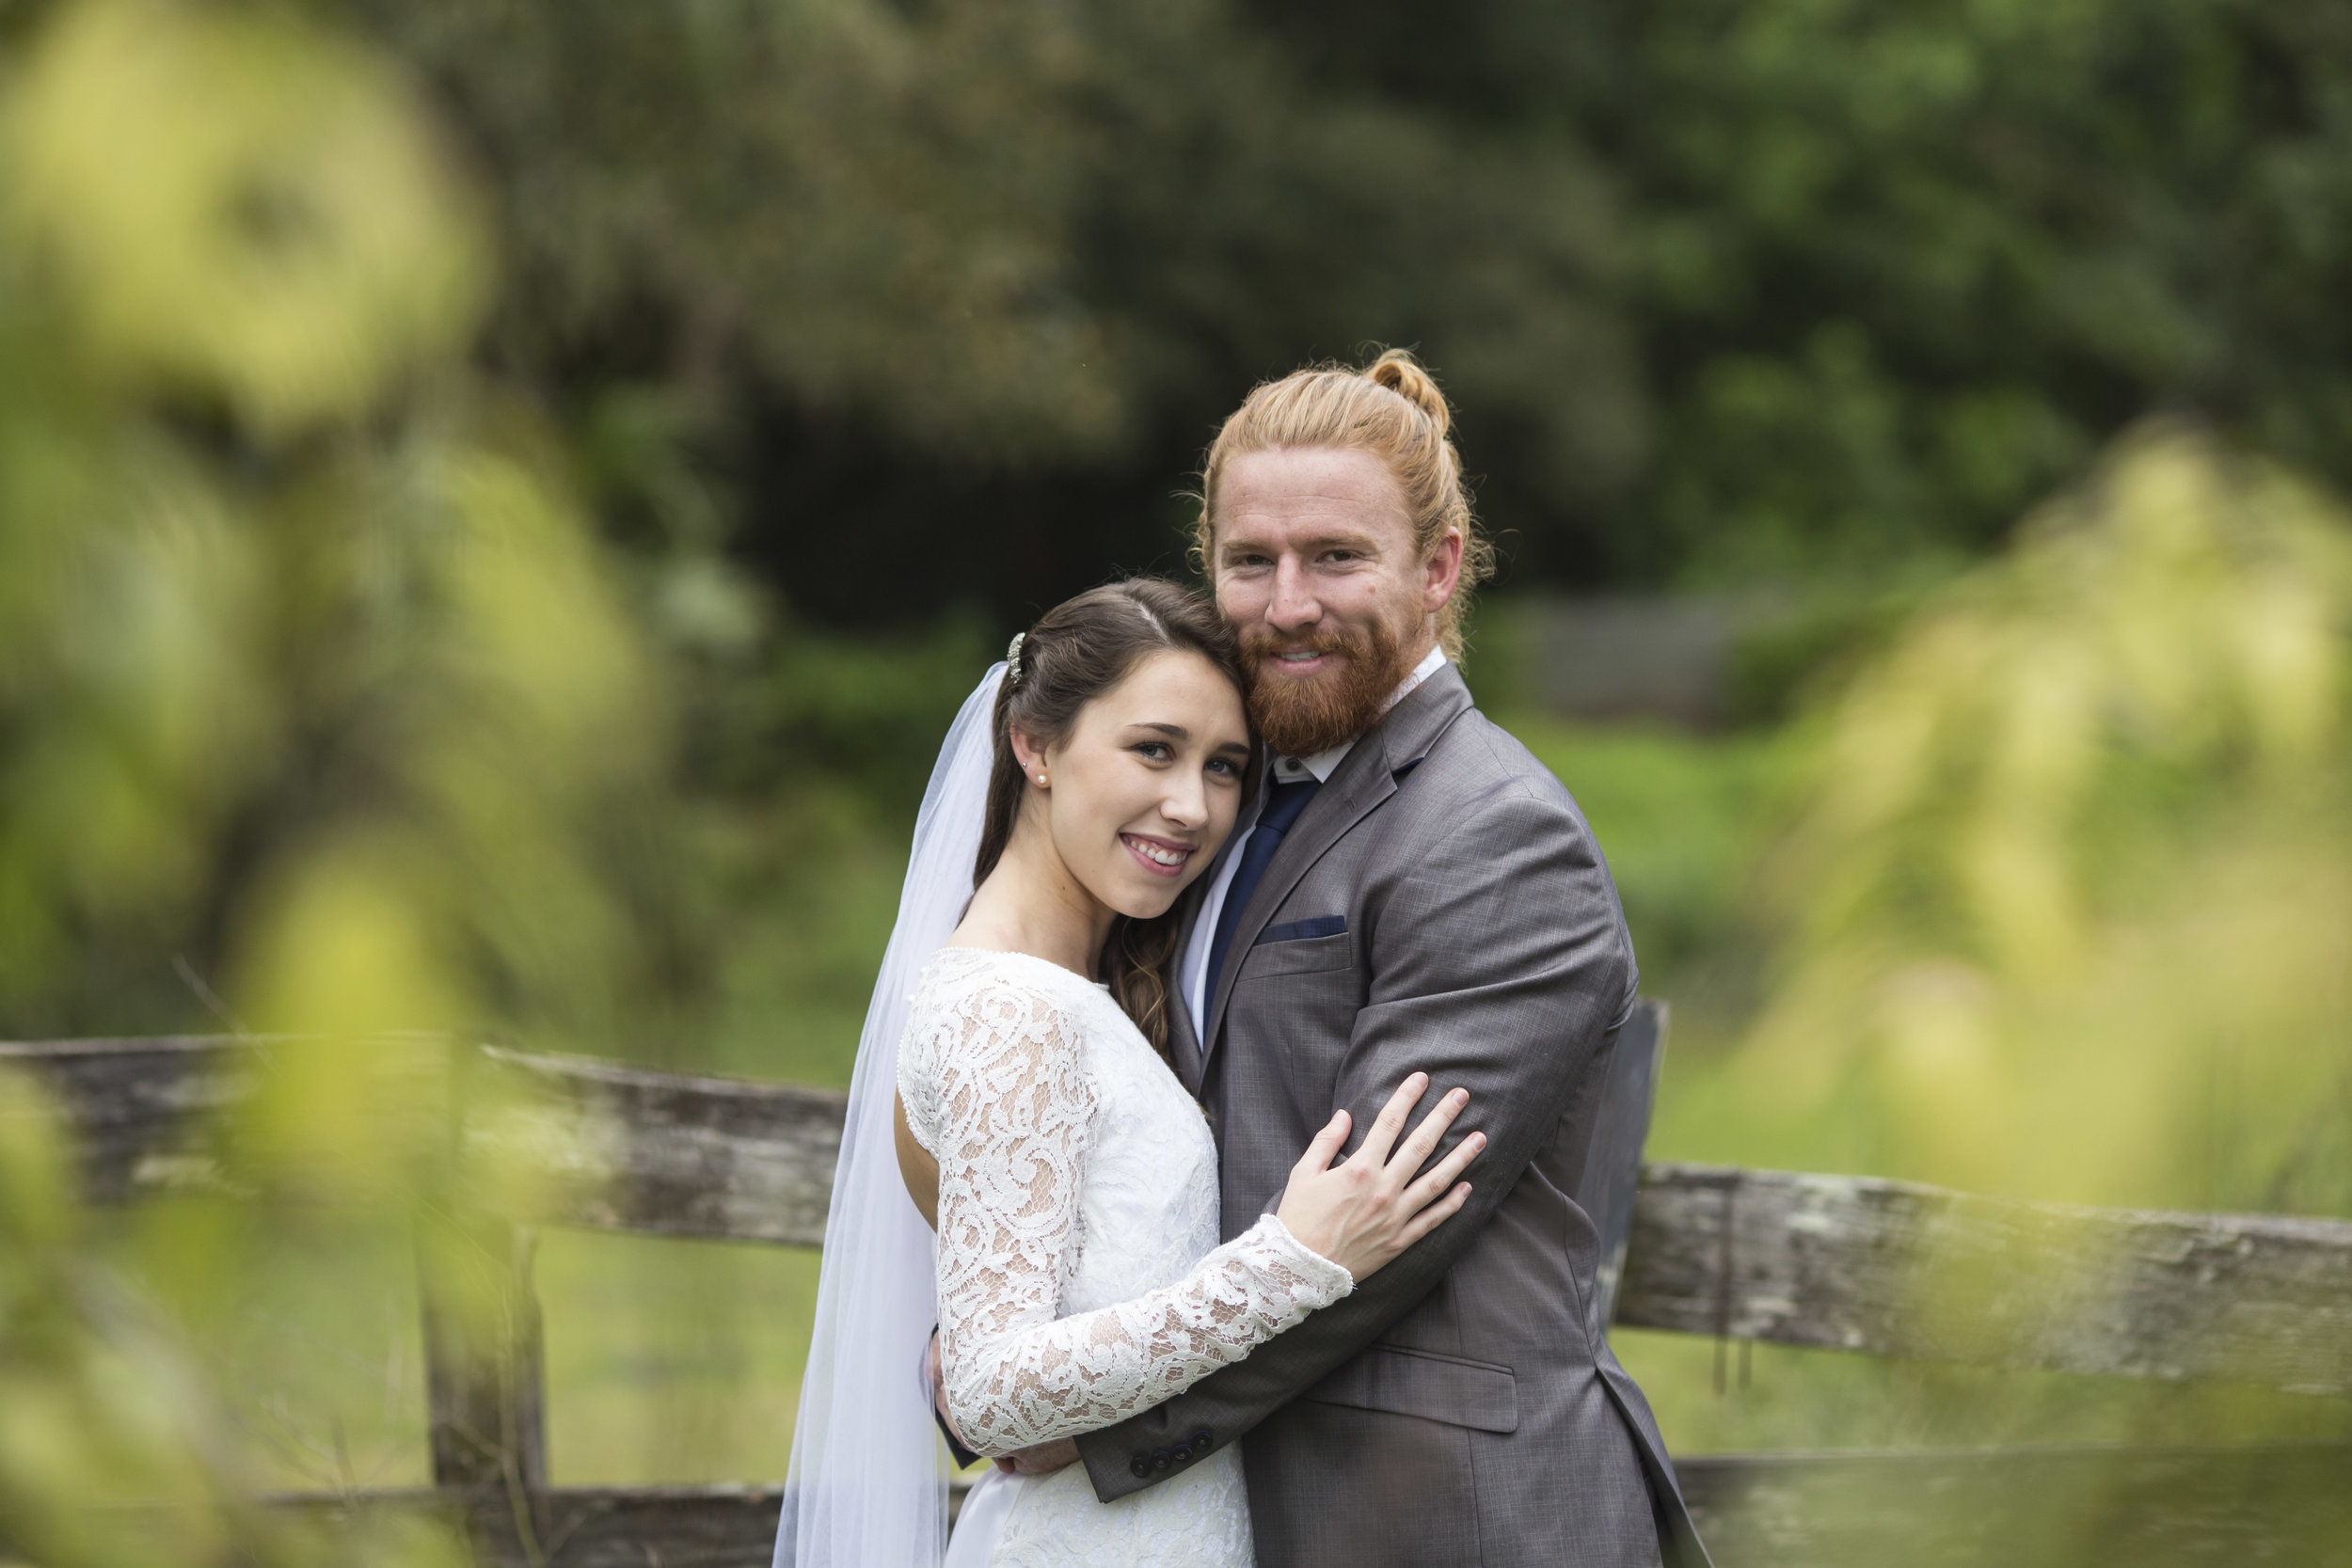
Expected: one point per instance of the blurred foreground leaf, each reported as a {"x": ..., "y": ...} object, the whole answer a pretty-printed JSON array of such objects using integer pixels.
[
  {"x": 314, "y": 686},
  {"x": 2069, "y": 904},
  {"x": 238, "y": 206}
]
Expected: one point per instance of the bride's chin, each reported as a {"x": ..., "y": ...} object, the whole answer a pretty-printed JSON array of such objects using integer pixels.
[{"x": 1148, "y": 903}]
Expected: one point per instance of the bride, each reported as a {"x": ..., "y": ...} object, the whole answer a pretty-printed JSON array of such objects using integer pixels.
[{"x": 1022, "y": 1168}]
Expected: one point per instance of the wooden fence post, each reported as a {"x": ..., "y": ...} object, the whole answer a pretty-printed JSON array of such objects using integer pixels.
[
  {"x": 484, "y": 1375},
  {"x": 484, "y": 1356}
]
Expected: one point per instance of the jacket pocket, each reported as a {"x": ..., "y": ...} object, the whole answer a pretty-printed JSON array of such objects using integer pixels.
[
  {"x": 1450, "y": 1388},
  {"x": 1300, "y": 930},
  {"x": 1297, "y": 956}
]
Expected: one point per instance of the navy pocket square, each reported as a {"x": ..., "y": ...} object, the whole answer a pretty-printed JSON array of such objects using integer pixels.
[{"x": 1300, "y": 931}]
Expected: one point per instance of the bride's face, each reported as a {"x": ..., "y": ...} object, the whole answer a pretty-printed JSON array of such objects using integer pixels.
[{"x": 1146, "y": 786}]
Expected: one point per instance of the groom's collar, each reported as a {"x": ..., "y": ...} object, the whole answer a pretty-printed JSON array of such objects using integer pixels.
[
  {"x": 1324, "y": 763},
  {"x": 1370, "y": 773}
]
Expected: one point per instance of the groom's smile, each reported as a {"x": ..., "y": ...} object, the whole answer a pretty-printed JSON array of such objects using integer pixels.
[{"x": 1314, "y": 565}]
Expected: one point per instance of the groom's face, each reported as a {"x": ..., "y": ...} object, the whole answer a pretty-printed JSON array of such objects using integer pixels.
[{"x": 1314, "y": 565}]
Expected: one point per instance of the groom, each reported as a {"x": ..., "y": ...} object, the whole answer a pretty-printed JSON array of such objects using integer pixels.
[{"x": 1416, "y": 892}]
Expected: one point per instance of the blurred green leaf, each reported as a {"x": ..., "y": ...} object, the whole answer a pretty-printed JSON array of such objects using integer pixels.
[
  {"x": 238, "y": 207},
  {"x": 2065, "y": 903}
]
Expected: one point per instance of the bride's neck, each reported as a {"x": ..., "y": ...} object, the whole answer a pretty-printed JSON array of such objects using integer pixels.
[{"x": 1032, "y": 904}]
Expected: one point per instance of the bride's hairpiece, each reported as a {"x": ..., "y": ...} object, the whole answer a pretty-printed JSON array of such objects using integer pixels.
[{"x": 1012, "y": 659}]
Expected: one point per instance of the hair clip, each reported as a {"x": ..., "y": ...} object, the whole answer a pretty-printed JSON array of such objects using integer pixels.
[{"x": 1012, "y": 659}]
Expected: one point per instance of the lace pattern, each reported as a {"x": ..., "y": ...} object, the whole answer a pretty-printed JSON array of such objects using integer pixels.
[{"x": 1043, "y": 1105}]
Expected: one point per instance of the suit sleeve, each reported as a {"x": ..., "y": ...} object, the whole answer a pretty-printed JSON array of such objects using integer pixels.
[{"x": 1498, "y": 963}]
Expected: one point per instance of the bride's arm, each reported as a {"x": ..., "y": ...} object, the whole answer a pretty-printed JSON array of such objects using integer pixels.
[{"x": 1016, "y": 1116}]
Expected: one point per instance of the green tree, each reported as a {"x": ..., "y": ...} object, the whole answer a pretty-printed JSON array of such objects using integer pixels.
[
  {"x": 1721, "y": 290},
  {"x": 1893, "y": 271}
]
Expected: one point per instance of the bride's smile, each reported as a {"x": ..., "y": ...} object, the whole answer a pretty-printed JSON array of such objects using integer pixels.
[{"x": 1159, "y": 856}]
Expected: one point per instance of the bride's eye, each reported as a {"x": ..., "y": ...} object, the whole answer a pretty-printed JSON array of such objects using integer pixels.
[
  {"x": 1225, "y": 767},
  {"x": 1155, "y": 751}
]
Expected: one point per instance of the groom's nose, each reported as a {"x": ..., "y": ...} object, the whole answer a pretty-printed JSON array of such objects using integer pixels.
[{"x": 1295, "y": 604}]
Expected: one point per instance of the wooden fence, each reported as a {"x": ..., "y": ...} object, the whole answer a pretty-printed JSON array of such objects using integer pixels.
[{"x": 1849, "y": 1263}]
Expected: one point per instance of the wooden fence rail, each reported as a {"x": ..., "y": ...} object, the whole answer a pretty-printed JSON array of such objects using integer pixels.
[
  {"x": 2284, "y": 1504},
  {"x": 1851, "y": 1263},
  {"x": 1839, "y": 1263}
]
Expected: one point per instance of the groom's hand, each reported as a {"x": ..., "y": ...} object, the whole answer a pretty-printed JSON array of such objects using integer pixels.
[
  {"x": 939, "y": 1393},
  {"x": 1043, "y": 1459}
]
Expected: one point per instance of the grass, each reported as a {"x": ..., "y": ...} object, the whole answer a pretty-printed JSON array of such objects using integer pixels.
[{"x": 670, "y": 1360}]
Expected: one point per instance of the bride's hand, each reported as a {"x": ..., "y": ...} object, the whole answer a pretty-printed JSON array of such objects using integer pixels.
[{"x": 1364, "y": 1212}]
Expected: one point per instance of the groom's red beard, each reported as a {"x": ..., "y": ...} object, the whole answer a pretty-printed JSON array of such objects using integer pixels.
[{"x": 1299, "y": 717}]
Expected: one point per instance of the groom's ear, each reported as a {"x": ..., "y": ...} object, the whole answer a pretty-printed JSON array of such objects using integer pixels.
[{"x": 1442, "y": 570}]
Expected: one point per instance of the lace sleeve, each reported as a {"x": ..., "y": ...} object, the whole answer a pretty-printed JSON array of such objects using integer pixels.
[{"x": 1016, "y": 1107}]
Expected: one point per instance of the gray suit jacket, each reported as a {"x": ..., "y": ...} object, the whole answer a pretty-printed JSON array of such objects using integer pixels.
[{"x": 1440, "y": 904}]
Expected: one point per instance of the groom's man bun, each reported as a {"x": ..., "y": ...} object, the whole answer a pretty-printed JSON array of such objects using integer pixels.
[
  {"x": 1391, "y": 408},
  {"x": 1401, "y": 374}
]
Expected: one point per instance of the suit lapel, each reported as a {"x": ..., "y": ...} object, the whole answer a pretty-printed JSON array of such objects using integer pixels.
[
  {"x": 1184, "y": 1039},
  {"x": 1364, "y": 779}
]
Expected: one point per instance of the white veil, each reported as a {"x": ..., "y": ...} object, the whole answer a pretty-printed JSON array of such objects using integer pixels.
[{"x": 868, "y": 1483}]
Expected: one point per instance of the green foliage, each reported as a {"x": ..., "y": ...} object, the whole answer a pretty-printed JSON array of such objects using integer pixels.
[
  {"x": 870, "y": 203},
  {"x": 1896, "y": 270},
  {"x": 2039, "y": 892},
  {"x": 284, "y": 240},
  {"x": 1721, "y": 288},
  {"x": 311, "y": 678},
  {"x": 987, "y": 240},
  {"x": 2063, "y": 909},
  {"x": 1682, "y": 819},
  {"x": 303, "y": 650},
  {"x": 1795, "y": 661}
]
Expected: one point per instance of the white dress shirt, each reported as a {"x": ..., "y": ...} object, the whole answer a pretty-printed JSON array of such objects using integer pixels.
[{"x": 1192, "y": 968}]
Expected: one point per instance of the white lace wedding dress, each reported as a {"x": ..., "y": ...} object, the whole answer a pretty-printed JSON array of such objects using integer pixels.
[{"x": 1080, "y": 1279}]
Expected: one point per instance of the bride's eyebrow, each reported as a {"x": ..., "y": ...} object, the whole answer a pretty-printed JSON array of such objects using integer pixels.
[{"x": 1178, "y": 732}]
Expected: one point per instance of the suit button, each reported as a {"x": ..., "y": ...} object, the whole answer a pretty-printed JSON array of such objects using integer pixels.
[
  {"x": 1181, "y": 1453},
  {"x": 1162, "y": 1459},
  {"x": 1200, "y": 1441},
  {"x": 1139, "y": 1467}
]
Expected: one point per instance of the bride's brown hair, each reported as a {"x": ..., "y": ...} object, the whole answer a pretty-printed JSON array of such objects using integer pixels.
[{"x": 1080, "y": 649}]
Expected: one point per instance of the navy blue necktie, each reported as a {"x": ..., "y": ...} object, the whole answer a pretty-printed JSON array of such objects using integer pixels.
[{"x": 1283, "y": 804}]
